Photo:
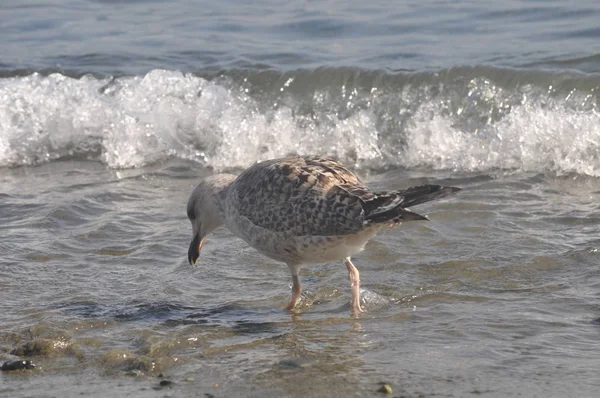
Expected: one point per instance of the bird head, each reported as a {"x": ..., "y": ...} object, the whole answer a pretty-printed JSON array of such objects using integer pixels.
[{"x": 204, "y": 209}]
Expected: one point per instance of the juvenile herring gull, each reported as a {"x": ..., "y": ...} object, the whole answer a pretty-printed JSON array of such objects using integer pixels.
[{"x": 302, "y": 210}]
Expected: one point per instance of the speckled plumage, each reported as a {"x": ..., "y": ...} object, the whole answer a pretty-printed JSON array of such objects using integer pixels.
[
  {"x": 300, "y": 197},
  {"x": 302, "y": 210}
]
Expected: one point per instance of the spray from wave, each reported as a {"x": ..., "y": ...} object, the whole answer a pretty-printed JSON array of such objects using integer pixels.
[{"x": 470, "y": 119}]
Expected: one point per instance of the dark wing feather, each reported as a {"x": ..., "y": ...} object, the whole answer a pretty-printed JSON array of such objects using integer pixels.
[
  {"x": 391, "y": 207},
  {"x": 303, "y": 196},
  {"x": 424, "y": 193}
]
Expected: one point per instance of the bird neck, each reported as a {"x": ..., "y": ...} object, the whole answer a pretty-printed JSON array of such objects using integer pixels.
[{"x": 221, "y": 184}]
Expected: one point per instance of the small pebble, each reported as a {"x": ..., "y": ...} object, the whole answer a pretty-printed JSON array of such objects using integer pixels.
[
  {"x": 385, "y": 388},
  {"x": 17, "y": 365}
]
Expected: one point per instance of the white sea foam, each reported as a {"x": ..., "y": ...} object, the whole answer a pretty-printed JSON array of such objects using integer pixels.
[
  {"x": 134, "y": 121},
  {"x": 532, "y": 136}
]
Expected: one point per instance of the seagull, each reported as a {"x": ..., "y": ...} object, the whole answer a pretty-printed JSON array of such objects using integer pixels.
[{"x": 302, "y": 210}]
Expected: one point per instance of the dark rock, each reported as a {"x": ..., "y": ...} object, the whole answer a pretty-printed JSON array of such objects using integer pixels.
[
  {"x": 166, "y": 383},
  {"x": 17, "y": 365}
]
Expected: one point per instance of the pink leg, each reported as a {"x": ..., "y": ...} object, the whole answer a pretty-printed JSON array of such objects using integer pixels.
[
  {"x": 296, "y": 287},
  {"x": 354, "y": 277}
]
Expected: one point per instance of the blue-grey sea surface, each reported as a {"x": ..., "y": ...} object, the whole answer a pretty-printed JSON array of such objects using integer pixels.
[{"x": 112, "y": 111}]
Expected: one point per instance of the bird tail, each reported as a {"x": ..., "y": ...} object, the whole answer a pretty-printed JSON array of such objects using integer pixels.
[
  {"x": 424, "y": 193},
  {"x": 391, "y": 207}
]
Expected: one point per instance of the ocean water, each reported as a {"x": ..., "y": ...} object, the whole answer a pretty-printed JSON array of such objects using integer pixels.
[{"x": 112, "y": 111}]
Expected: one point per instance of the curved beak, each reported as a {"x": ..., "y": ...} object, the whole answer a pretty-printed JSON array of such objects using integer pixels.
[{"x": 195, "y": 247}]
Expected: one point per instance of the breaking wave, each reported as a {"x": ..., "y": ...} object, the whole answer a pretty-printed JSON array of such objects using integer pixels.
[{"x": 465, "y": 119}]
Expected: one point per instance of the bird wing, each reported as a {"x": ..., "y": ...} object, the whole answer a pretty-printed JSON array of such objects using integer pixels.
[
  {"x": 311, "y": 196},
  {"x": 302, "y": 196}
]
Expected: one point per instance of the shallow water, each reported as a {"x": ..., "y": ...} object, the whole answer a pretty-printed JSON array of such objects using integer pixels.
[
  {"x": 496, "y": 294},
  {"x": 111, "y": 112}
]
